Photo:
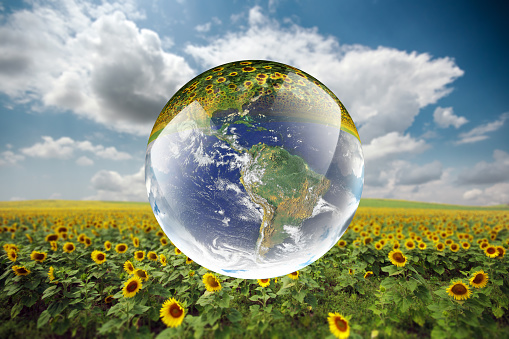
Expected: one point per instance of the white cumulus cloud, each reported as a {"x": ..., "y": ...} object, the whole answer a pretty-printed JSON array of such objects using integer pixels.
[
  {"x": 66, "y": 147},
  {"x": 89, "y": 59},
  {"x": 444, "y": 117},
  {"x": 111, "y": 185},
  {"x": 382, "y": 88},
  {"x": 479, "y": 133}
]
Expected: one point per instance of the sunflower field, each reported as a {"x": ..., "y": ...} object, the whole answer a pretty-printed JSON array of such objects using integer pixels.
[{"x": 101, "y": 269}]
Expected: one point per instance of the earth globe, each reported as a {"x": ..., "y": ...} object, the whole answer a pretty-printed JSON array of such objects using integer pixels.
[{"x": 254, "y": 169}]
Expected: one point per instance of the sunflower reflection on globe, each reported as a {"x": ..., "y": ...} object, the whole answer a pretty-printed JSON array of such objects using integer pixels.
[{"x": 254, "y": 169}]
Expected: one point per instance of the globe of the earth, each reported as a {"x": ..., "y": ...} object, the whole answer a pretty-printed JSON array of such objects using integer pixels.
[{"x": 254, "y": 169}]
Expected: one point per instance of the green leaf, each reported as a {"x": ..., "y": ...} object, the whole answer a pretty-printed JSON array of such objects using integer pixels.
[
  {"x": 43, "y": 318},
  {"x": 30, "y": 299},
  {"x": 16, "y": 309},
  {"x": 234, "y": 316},
  {"x": 300, "y": 296},
  {"x": 13, "y": 289},
  {"x": 311, "y": 300},
  {"x": 498, "y": 312},
  {"x": 439, "y": 269},
  {"x": 50, "y": 291},
  {"x": 223, "y": 301},
  {"x": 109, "y": 326},
  {"x": 118, "y": 308},
  {"x": 73, "y": 314},
  {"x": 255, "y": 297},
  {"x": 138, "y": 309},
  {"x": 57, "y": 307},
  {"x": 412, "y": 285}
]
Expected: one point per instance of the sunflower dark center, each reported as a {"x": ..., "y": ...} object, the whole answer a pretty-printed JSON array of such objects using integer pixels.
[
  {"x": 212, "y": 281},
  {"x": 39, "y": 256},
  {"x": 478, "y": 279},
  {"x": 22, "y": 270},
  {"x": 175, "y": 311},
  {"x": 459, "y": 289},
  {"x": 100, "y": 256},
  {"x": 53, "y": 237},
  {"x": 398, "y": 257},
  {"x": 141, "y": 274},
  {"x": 264, "y": 280},
  {"x": 491, "y": 250},
  {"x": 341, "y": 324},
  {"x": 133, "y": 285}
]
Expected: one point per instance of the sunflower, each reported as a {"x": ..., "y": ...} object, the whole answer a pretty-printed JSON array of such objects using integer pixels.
[
  {"x": 38, "y": 256},
  {"x": 397, "y": 258},
  {"x": 459, "y": 290},
  {"x": 162, "y": 259},
  {"x": 69, "y": 247},
  {"x": 51, "y": 237},
  {"x": 294, "y": 275},
  {"x": 88, "y": 242},
  {"x": 378, "y": 246},
  {"x": 131, "y": 287},
  {"x": 20, "y": 270},
  {"x": 409, "y": 244},
  {"x": 338, "y": 325},
  {"x": 351, "y": 271},
  {"x": 54, "y": 246},
  {"x": 440, "y": 246},
  {"x": 189, "y": 260},
  {"x": 368, "y": 274},
  {"x": 263, "y": 282},
  {"x": 11, "y": 247},
  {"x": 172, "y": 313},
  {"x": 501, "y": 251},
  {"x": 29, "y": 237},
  {"x": 108, "y": 299},
  {"x": 163, "y": 241},
  {"x": 465, "y": 245},
  {"x": 139, "y": 255},
  {"x": 396, "y": 245},
  {"x": 129, "y": 267},
  {"x": 81, "y": 238},
  {"x": 51, "y": 273},
  {"x": 136, "y": 242},
  {"x": 107, "y": 245},
  {"x": 454, "y": 247},
  {"x": 483, "y": 245},
  {"x": 211, "y": 282},
  {"x": 177, "y": 251},
  {"x": 422, "y": 246},
  {"x": 341, "y": 243},
  {"x": 142, "y": 274},
  {"x": 99, "y": 257},
  {"x": 491, "y": 251},
  {"x": 121, "y": 248},
  {"x": 479, "y": 279},
  {"x": 12, "y": 255},
  {"x": 152, "y": 255}
]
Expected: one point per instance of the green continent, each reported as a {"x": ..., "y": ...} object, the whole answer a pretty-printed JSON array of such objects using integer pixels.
[{"x": 289, "y": 188}]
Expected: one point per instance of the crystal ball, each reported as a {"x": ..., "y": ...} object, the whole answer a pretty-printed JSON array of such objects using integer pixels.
[{"x": 254, "y": 169}]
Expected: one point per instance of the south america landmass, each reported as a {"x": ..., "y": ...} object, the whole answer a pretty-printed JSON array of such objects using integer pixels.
[{"x": 286, "y": 188}]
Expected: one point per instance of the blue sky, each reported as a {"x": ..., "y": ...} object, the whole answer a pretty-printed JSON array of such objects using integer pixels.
[{"x": 81, "y": 84}]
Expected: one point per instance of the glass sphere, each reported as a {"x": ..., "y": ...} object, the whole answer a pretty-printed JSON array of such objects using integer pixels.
[{"x": 254, "y": 169}]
